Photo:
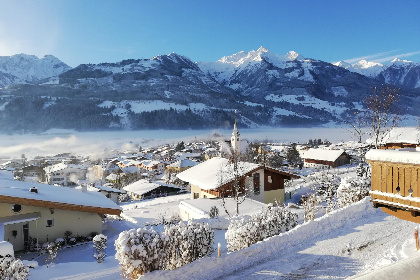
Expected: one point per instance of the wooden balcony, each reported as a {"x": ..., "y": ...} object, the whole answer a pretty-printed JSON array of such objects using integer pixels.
[{"x": 396, "y": 182}]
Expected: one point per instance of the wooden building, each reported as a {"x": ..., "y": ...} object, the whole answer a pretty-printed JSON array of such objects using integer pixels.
[
  {"x": 324, "y": 159},
  {"x": 215, "y": 178},
  {"x": 396, "y": 182}
]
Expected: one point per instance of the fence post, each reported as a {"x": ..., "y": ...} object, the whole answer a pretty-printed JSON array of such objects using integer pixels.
[
  {"x": 416, "y": 236},
  {"x": 219, "y": 250}
]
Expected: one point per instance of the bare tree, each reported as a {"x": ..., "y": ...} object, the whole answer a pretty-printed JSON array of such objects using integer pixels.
[
  {"x": 357, "y": 121},
  {"x": 381, "y": 114},
  {"x": 236, "y": 189}
]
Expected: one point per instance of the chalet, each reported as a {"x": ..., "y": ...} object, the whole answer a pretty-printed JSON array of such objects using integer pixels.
[
  {"x": 324, "y": 159},
  {"x": 145, "y": 189},
  {"x": 64, "y": 174},
  {"x": 215, "y": 178},
  {"x": 32, "y": 211},
  {"x": 396, "y": 182},
  {"x": 401, "y": 137}
]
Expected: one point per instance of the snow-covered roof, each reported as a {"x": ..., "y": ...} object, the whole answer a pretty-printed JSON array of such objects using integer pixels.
[
  {"x": 108, "y": 189},
  {"x": 322, "y": 154},
  {"x": 411, "y": 156},
  {"x": 58, "y": 196},
  {"x": 62, "y": 166},
  {"x": 409, "y": 135},
  {"x": 214, "y": 173},
  {"x": 142, "y": 186},
  {"x": 183, "y": 163},
  {"x": 150, "y": 163}
]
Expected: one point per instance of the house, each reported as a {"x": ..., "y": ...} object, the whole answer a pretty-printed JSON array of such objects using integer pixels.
[
  {"x": 400, "y": 137},
  {"x": 396, "y": 182},
  {"x": 64, "y": 174},
  {"x": 33, "y": 211},
  {"x": 152, "y": 165},
  {"x": 180, "y": 165},
  {"x": 111, "y": 193},
  {"x": 33, "y": 173},
  {"x": 324, "y": 159},
  {"x": 216, "y": 176},
  {"x": 144, "y": 189}
]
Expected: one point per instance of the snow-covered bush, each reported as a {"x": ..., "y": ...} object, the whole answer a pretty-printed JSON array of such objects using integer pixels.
[
  {"x": 214, "y": 212},
  {"x": 144, "y": 250},
  {"x": 309, "y": 203},
  {"x": 12, "y": 269},
  {"x": 60, "y": 242},
  {"x": 99, "y": 247},
  {"x": 51, "y": 251},
  {"x": 352, "y": 190},
  {"x": 188, "y": 242},
  {"x": 245, "y": 231},
  {"x": 140, "y": 251}
]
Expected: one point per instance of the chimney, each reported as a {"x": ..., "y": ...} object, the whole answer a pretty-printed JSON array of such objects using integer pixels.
[{"x": 33, "y": 190}]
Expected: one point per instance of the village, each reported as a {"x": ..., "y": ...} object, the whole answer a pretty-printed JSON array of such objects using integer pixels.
[{"x": 56, "y": 207}]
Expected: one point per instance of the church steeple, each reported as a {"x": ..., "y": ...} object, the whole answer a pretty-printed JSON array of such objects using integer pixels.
[{"x": 235, "y": 140}]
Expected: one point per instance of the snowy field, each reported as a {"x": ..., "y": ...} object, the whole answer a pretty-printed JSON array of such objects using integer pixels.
[
  {"x": 340, "y": 244},
  {"x": 59, "y": 141}
]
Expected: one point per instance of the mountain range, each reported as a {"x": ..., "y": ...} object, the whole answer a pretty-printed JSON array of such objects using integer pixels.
[{"x": 171, "y": 91}]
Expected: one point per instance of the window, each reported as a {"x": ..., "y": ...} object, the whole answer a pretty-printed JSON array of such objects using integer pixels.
[
  {"x": 50, "y": 222},
  {"x": 196, "y": 195},
  {"x": 16, "y": 208},
  {"x": 269, "y": 179}
]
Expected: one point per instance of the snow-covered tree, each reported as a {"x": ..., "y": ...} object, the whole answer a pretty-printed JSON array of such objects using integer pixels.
[
  {"x": 12, "y": 269},
  {"x": 292, "y": 155},
  {"x": 352, "y": 190},
  {"x": 245, "y": 231},
  {"x": 99, "y": 247},
  {"x": 51, "y": 251}
]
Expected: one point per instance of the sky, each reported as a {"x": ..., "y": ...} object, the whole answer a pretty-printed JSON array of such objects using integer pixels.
[{"x": 95, "y": 31}]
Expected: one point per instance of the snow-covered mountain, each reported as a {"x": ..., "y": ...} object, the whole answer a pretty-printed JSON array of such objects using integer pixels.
[
  {"x": 398, "y": 72},
  {"x": 23, "y": 68},
  {"x": 402, "y": 73},
  {"x": 363, "y": 67},
  {"x": 171, "y": 91}
]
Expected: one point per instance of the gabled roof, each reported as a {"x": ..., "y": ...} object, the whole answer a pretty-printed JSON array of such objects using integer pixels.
[
  {"x": 183, "y": 163},
  {"x": 12, "y": 191},
  {"x": 141, "y": 187},
  {"x": 215, "y": 172},
  {"x": 322, "y": 154},
  {"x": 410, "y": 135}
]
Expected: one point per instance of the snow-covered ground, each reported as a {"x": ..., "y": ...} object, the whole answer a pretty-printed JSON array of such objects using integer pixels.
[{"x": 345, "y": 242}]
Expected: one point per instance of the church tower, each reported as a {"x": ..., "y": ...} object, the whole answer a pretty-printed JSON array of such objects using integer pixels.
[{"x": 235, "y": 140}]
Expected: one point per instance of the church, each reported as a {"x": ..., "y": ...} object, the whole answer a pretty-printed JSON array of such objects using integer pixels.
[{"x": 236, "y": 144}]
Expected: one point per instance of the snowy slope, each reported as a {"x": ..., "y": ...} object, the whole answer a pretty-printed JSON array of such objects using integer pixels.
[{"x": 337, "y": 245}]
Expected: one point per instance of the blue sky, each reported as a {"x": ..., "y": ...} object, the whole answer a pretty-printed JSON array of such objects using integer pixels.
[{"x": 91, "y": 31}]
